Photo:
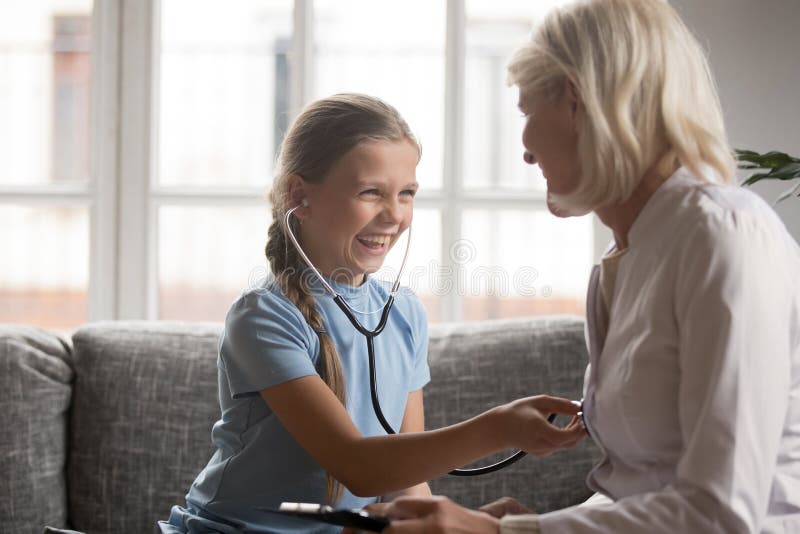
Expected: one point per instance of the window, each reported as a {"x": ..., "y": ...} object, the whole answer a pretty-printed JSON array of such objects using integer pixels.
[
  {"x": 139, "y": 190},
  {"x": 45, "y": 180},
  {"x": 222, "y": 108}
]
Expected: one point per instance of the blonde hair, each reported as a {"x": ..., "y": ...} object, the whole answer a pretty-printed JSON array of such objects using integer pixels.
[
  {"x": 321, "y": 135},
  {"x": 646, "y": 88}
]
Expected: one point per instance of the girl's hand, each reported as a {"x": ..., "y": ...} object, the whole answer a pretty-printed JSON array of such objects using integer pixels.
[
  {"x": 436, "y": 515},
  {"x": 527, "y": 428},
  {"x": 504, "y": 506}
]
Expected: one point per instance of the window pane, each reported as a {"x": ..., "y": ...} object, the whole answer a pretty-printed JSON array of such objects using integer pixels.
[
  {"x": 207, "y": 256},
  {"x": 224, "y": 90},
  {"x": 522, "y": 263},
  {"x": 492, "y": 122},
  {"x": 44, "y": 91},
  {"x": 392, "y": 50},
  {"x": 44, "y": 279},
  {"x": 423, "y": 268}
]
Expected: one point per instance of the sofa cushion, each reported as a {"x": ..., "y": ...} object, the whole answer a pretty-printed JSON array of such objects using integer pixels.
[
  {"x": 35, "y": 377},
  {"x": 475, "y": 366},
  {"x": 144, "y": 402}
]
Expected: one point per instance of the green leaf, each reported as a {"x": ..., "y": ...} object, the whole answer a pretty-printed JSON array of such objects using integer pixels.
[
  {"x": 755, "y": 178},
  {"x": 770, "y": 160},
  {"x": 778, "y": 166},
  {"x": 787, "y": 172}
]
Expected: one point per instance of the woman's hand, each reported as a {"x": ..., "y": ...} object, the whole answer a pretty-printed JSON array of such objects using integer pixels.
[
  {"x": 440, "y": 514},
  {"x": 505, "y": 506},
  {"x": 435, "y": 515},
  {"x": 526, "y": 425}
]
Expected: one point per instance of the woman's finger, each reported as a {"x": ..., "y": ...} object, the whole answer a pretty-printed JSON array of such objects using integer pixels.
[
  {"x": 504, "y": 506},
  {"x": 439, "y": 514},
  {"x": 411, "y": 507},
  {"x": 418, "y": 526}
]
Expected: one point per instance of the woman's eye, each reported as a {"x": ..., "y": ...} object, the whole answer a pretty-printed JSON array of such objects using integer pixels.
[
  {"x": 408, "y": 193},
  {"x": 370, "y": 192}
]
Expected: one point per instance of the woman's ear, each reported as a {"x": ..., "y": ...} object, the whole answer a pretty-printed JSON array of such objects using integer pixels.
[{"x": 574, "y": 101}]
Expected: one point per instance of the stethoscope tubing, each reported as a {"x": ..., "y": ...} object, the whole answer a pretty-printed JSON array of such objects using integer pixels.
[
  {"x": 373, "y": 385},
  {"x": 370, "y": 337}
]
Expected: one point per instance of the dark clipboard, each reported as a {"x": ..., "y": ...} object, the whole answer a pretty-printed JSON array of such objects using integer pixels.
[{"x": 358, "y": 519}]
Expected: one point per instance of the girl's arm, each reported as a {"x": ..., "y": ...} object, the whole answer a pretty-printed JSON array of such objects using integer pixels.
[
  {"x": 317, "y": 420},
  {"x": 413, "y": 421}
]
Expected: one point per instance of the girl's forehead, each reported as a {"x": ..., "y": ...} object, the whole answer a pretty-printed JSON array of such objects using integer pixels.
[{"x": 376, "y": 160}]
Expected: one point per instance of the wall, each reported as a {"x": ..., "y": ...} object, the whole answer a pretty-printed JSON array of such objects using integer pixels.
[{"x": 754, "y": 49}]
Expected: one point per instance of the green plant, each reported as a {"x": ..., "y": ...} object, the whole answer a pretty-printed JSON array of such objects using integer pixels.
[{"x": 771, "y": 166}]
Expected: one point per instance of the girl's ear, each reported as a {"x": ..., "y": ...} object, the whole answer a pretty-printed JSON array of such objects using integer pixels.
[{"x": 297, "y": 196}]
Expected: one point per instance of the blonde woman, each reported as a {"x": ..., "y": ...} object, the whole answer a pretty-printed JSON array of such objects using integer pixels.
[{"x": 693, "y": 388}]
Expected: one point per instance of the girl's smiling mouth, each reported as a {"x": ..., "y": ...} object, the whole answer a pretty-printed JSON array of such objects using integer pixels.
[{"x": 375, "y": 243}]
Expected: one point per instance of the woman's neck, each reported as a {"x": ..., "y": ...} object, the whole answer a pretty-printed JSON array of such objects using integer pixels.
[{"x": 620, "y": 217}]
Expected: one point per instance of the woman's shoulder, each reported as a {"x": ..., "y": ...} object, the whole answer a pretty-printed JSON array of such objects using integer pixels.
[
  {"x": 723, "y": 200},
  {"x": 736, "y": 223},
  {"x": 735, "y": 212},
  {"x": 697, "y": 206}
]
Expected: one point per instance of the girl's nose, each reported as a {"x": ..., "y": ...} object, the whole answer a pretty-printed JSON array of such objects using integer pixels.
[
  {"x": 528, "y": 157},
  {"x": 393, "y": 211}
]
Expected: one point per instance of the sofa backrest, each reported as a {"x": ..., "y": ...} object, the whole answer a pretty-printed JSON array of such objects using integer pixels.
[
  {"x": 478, "y": 365},
  {"x": 35, "y": 376},
  {"x": 144, "y": 399}
]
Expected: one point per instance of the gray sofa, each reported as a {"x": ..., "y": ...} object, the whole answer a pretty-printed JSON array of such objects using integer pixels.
[{"x": 105, "y": 431}]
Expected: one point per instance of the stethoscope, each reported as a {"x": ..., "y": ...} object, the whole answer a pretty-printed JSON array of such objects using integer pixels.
[{"x": 370, "y": 337}]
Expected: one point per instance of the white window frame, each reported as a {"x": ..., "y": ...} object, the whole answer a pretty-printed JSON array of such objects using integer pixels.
[{"x": 124, "y": 199}]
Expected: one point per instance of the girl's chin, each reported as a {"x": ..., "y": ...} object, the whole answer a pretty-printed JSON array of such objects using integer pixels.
[{"x": 354, "y": 273}]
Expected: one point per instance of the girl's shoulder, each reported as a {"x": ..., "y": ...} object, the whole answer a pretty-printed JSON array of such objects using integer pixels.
[
  {"x": 264, "y": 313},
  {"x": 264, "y": 301},
  {"x": 405, "y": 301}
]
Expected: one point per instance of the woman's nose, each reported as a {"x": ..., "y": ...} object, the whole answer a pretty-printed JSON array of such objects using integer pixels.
[{"x": 528, "y": 157}]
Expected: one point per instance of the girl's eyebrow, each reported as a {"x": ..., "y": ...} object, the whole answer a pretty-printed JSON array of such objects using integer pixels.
[{"x": 368, "y": 183}]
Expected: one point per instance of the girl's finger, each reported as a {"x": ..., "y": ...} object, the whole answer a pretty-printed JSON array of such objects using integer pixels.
[{"x": 548, "y": 404}]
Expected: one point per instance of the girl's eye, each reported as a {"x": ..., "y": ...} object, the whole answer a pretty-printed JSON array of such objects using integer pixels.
[{"x": 370, "y": 192}]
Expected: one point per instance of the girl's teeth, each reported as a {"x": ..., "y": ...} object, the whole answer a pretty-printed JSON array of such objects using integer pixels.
[{"x": 376, "y": 240}]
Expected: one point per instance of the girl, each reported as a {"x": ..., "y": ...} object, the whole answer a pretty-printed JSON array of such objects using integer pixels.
[{"x": 297, "y": 421}]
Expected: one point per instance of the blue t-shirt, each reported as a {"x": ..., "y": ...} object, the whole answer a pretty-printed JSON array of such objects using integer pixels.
[{"x": 267, "y": 342}]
